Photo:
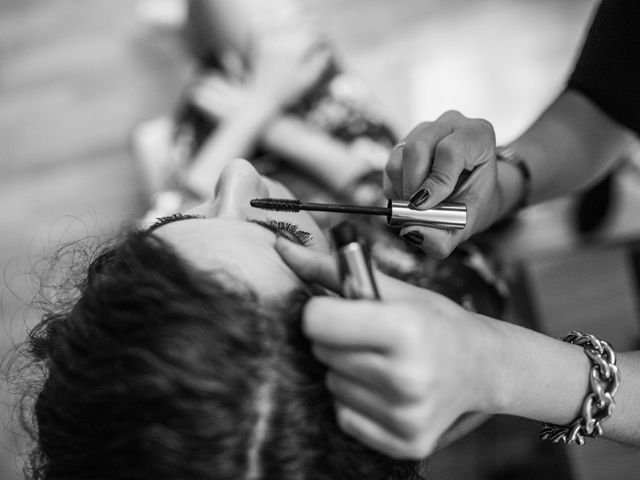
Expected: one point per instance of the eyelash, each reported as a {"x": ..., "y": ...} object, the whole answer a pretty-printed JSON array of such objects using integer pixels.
[
  {"x": 276, "y": 226},
  {"x": 160, "y": 221},
  {"x": 303, "y": 237}
]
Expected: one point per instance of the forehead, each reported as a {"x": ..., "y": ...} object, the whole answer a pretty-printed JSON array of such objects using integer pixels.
[{"x": 243, "y": 250}]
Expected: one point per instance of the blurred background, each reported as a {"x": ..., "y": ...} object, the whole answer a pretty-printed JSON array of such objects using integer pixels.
[{"x": 77, "y": 78}]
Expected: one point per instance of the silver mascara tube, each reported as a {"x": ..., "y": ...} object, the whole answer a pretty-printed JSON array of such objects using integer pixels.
[
  {"x": 398, "y": 212},
  {"x": 356, "y": 273},
  {"x": 445, "y": 215}
]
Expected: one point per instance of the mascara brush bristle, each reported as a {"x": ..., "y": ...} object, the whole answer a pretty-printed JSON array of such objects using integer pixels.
[{"x": 277, "y": 204}]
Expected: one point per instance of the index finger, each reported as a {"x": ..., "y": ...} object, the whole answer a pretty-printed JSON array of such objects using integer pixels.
[
  {"x": 342, "y": 323},
  {"x": 419, "y": 154},
  {"x": 321, "y": 268}
]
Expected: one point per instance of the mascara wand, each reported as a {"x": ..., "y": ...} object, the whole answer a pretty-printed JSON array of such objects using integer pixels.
[{"x": 398, "y": 212}]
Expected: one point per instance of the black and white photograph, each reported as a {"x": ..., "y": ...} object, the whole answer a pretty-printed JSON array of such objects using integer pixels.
[{"x": 319, "y": 239}]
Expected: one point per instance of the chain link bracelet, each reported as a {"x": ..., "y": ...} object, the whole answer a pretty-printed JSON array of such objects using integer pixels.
[{"x": 604, "y": 379}]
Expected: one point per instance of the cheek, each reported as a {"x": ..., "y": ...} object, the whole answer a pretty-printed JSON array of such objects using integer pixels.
[
  {"x": 254, "y": 262},
  {"x": 271, "y": 279}
]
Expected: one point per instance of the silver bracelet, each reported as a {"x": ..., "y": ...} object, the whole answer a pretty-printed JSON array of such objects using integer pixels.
[
  {"x": 604, "y": 379},
  {"x": 508, "y": 155}
]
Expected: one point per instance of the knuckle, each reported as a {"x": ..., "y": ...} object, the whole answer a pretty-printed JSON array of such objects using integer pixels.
[
  {"x": 411, "y": 325},
  {"x": 440, "y": 181},
  {"x": 451, "y": 116},
  {"x": 486, "y": 126},
  {"x": 404, "y": 422},
  {"x": 416, "y": 448},
  {"x": 343, "y": 421},
  {"x": 404, "y": 386},
  {"x": 481, "y": 130},
  {"x": 389, "y": 192},
  {"x": 393, "y": 166},
  {"x": 421, "y": 137},
  {"x": 422, "y": 446},
  {"x": 383, "y": 314},
  {"x": 444, "y": 175},
  {"x": 411, "y": 383},
  {"x": 418, "y": 129},
  {"x": 447, "y": 151},
  {"x": 397, "y": 310},
  {"x": 417, "y": 156}
]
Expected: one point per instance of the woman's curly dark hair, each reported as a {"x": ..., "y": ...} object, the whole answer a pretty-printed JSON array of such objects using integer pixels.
[{"x": 159, "y": 370}]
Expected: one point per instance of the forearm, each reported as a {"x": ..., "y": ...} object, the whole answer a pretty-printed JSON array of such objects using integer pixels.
[
  {"x": 569, "y": 147},
  {"x": 545, "y": 379}
]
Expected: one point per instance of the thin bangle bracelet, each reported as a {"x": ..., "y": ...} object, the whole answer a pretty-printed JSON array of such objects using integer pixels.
[{"x": 508, "y": 155}]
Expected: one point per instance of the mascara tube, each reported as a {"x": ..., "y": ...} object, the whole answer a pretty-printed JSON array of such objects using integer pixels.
[
  {"x": 445, "y": 215},
  {"x": 354, "y": 265}
]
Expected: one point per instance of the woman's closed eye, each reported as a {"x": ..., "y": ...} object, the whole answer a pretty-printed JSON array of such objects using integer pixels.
[
  {"x": 289, "y": 230},
  {"x": 176, "y": 217},
  {"x": 279, "y": 227}
]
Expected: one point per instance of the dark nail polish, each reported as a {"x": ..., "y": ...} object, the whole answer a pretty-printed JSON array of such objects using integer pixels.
[
  {"x": 413, "y": 237},
  {"x": 419, "y": 197}
]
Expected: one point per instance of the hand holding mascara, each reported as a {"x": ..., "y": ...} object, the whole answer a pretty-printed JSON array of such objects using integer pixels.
[
  {"x": 398, "y": 212},
  {"x": 416, "y": 354}
]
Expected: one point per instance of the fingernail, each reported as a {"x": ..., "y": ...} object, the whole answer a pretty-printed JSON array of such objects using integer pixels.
[
  {"x": 413, "y": 237},
  {"x": 419, "y": 197}
]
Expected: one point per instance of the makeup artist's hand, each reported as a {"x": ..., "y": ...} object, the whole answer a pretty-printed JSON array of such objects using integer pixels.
[
  {"x": 450, "y": 159},
  {"x": 402, "y": 370}
]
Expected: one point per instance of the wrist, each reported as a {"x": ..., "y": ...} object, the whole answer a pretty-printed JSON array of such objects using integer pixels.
[
  {"x": 494, "y": 387},
  {"x": 509, "y": 188},
  {"x": 598, "y": 404},
  {"x": 535, "y": 376},
  {"x": 513, "y": 181}
]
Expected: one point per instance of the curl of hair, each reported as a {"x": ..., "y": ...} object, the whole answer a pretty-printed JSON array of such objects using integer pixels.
[{"x": 159, "y": 370}]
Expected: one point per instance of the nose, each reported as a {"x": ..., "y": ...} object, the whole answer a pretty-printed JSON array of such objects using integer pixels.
[{"x": 239, "y": 182}]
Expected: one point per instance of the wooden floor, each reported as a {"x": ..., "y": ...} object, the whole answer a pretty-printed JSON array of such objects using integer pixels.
[{"x": 77, "y": 77}]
